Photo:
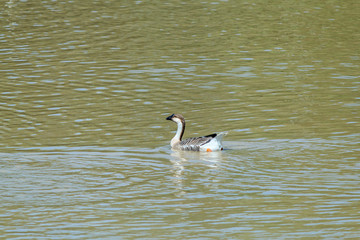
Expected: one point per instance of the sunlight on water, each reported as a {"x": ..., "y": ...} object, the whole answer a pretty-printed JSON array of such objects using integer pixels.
[{"x": 251, "y": 185}]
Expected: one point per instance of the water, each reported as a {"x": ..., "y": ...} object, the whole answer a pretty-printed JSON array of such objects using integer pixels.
[
  {"x": 255, "y": 191},
  {"x": 87, "y": 85}
]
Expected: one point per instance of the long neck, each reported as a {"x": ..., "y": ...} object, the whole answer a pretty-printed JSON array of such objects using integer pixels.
[{"x": 179, "y": 132}]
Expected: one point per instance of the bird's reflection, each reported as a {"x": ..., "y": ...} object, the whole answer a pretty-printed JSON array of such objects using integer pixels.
[{"x": 179, "y": 159}]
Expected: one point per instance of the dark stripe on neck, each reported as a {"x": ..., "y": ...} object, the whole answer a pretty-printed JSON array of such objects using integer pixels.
[{"x": 183, "y": 129}]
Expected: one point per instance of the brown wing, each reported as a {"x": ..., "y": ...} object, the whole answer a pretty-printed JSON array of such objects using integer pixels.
[{"x": 194, "y": 144}]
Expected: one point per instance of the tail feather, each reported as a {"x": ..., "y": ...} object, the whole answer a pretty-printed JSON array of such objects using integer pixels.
[{"x": 220, "y": 135}]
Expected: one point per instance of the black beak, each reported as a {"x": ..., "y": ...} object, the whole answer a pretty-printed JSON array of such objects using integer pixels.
[{"x": 170, "y": 117}]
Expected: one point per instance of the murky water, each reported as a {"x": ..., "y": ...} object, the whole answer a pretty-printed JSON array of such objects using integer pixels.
[{"x": 86, "y": 87}]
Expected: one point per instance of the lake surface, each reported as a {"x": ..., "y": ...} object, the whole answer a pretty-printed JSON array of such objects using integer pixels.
[{"x": 84, "y": 144}]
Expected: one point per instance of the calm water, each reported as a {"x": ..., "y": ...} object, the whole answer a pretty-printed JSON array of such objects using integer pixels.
[{"x": 84, "y": 144}]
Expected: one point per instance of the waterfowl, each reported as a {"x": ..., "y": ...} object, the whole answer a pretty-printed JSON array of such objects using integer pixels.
[{"x": 207, "y": 143}]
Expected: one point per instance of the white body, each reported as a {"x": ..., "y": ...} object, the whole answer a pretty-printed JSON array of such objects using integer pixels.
[{"x": 214, "y": 144}]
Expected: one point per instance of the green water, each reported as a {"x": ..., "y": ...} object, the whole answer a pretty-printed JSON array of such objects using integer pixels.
[{"x": 86, "y": 87}]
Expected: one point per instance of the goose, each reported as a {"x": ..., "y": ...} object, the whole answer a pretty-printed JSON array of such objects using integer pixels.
[{"x": 207, "y": 143}]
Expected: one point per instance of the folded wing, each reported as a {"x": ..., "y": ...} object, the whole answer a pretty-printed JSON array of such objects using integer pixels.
[{"x": 194, "y": 144}]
